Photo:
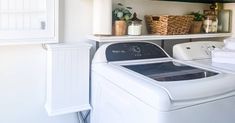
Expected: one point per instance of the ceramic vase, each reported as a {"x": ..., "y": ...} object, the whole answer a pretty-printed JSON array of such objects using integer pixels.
[
  {"x": 196, "y": 27},
  {"x": 120, "y": 28}
]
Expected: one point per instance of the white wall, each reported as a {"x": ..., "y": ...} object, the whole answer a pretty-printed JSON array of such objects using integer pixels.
[
  {"x": 23, "y": 73},
  {"x": 78, "y": 22},
  {"x": 23, "y": 87},
  {"x": 22, "y": 68}
]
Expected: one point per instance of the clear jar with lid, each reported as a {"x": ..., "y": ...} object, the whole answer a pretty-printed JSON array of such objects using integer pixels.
[
  {"x": 214, "y": 26},
  {"x": 135, "y": 26},
  {"x": 210, "y": 24},
  {"x": 207, "y": 25}
]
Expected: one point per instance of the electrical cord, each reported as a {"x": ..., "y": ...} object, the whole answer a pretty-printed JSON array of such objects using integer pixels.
[
  {"x": 83, "y": 116},
  {"x": 79, "y": 117}
]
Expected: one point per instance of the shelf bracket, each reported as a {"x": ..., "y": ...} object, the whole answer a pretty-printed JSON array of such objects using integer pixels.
[{"x": 163, "y": 43}]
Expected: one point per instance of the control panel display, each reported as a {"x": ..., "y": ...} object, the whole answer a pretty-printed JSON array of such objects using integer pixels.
[{"x": 133, "y": 51}]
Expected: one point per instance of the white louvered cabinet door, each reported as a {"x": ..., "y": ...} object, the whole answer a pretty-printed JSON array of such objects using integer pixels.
[{"x": 28, "y": 21}]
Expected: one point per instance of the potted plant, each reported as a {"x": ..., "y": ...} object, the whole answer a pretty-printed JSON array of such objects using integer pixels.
[
  {"x": 120, "y": 16},
  {"x": 197, "y": 23}
]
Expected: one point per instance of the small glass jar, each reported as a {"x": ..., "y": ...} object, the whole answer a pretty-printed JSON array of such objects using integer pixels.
[
  {"x": 207, "y": 25},
  {"x": 210, "y": 24},
  {"x": 214, "y": 25},
  {"x": 135, "y": 26}
]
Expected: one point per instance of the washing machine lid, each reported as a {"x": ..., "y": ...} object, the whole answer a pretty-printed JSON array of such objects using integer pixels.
[
  {"x": 185, "y": 84},
  {"x": 168, "y": 85},
  {"x": 170, "y": 71}
]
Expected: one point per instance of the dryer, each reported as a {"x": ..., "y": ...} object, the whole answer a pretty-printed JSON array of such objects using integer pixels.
[
  {"x": 138, "y": 82},
  {"x": 200, "y": 53}
]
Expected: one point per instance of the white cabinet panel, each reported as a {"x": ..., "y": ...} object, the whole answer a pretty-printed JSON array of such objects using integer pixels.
[
  {"x": 28, "y": 21},
  {"x": 67, "y": 78}
]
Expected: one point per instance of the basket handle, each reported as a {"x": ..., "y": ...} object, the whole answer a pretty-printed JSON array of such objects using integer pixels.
[
  {"x": 155, "y": 18},
  {"x": 148, "y": 18}
]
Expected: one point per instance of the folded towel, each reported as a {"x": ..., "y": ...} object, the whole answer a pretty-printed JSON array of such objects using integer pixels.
[
  {"x": 225, "y": 53},
  {"x": 223, "y": 56},
  {"x": 229, "y": 44},
  {"x": 229, "y": 39}
]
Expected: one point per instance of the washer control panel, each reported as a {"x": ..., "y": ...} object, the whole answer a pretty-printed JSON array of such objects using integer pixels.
[
  {"x": 133, "y": 51},
  {"x": 195, "y": 50}
]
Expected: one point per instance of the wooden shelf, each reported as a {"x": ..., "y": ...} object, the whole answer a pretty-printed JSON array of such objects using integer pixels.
[{"x": 155, "y": 37}]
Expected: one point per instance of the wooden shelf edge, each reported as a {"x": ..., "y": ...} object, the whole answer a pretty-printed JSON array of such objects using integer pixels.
[{"x": 155, "y": 37}]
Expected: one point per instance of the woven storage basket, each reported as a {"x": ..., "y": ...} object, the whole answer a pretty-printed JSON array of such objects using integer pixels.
[{"x": 168, "y": 24}]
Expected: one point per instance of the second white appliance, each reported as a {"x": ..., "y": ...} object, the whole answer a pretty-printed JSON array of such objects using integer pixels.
[{"x": 200, "y": 53}]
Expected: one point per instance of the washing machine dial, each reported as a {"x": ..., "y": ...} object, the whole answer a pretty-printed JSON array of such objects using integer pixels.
[{"x": 135, "y": 51}]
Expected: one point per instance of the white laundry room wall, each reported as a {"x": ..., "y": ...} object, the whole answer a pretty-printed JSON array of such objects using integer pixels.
[
  {"x": 23, "y": 86},
  {"x": 22, "y": 67},
  {"x": 23, "y": 70}
]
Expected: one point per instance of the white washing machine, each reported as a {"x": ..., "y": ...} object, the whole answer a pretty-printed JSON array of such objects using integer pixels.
[
  {"x": 137, "y": 82},
  {"x": 200, "y": 53}
]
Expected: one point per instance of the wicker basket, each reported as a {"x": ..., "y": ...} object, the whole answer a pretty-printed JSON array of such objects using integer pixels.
[{"x": 168, "y": 24}]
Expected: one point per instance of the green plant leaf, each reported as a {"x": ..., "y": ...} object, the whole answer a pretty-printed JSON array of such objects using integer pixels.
[
  {"x": 126, "y": 11},
  {"x": 116, "y": 11},
  {"x": 127, "y": 17},
  {"x": 120, "y": 4},
  {"x": 120, "y": 14},
  {"x": 128, "y": 7},
  {"x": 197, "y": 16}
]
